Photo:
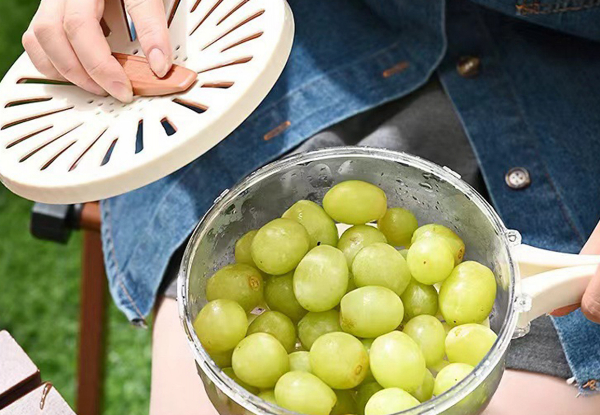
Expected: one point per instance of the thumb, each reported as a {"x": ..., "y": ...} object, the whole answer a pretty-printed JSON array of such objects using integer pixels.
[
  {"x": 590, "y": 304},
  {"x": 150, "y": 23}
]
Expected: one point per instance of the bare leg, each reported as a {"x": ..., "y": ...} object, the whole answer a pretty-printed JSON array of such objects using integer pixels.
[
  {"x": 526, "y": 393},
  {"x": 176, "y": 386}
]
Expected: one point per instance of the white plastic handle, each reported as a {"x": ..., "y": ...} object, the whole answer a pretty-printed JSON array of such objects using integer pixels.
[
  {"x": 551, "y": 280},
  {"x": 533, "y": 261}
]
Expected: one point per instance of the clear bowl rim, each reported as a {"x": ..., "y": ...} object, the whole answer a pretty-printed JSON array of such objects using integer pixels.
[{"x": 438, "y": 404}]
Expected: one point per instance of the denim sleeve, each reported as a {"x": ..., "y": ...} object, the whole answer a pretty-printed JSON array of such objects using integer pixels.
[{"x": 575, "y": 17}]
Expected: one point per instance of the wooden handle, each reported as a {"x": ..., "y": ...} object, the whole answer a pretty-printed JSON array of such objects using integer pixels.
[{"x": 146, "y": 84}]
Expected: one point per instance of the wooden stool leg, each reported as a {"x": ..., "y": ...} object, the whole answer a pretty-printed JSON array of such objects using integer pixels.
[{"x": 92, "y": 326}]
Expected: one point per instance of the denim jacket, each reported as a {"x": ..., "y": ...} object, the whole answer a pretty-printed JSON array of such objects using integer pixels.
[{"x": 533, "y": 102}]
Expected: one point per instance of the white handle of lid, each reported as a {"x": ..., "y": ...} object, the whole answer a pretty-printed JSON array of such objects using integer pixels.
[{"x": 562, "y": 281}]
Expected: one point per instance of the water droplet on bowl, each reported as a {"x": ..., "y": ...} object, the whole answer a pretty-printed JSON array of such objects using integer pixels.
[
  {"x": 426, "y": 186},
  {"x": 319, "y": 176}
]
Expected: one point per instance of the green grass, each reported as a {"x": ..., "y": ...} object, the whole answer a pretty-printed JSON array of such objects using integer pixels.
[{"x": 39, "y": 284}]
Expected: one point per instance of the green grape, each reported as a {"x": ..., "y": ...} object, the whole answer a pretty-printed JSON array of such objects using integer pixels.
[
  {"x": 356, "y": 238},
  {"x": 456, "y": 245},
  {"x": 430, "y": 260},
  {"x": 398, "y": 226},
  {"x": 370, "y": 311},
  {"x": 321, "y": 279},
  {"x": 260, "y": 360},
  {"x": 351, "y": 284},
  {"x": 447, "y": 327},
  {"x": 486, "y": 322},
  {"x": 320, "y": 227},
  {"x": 380, "y": 264},
  {"x": 221, "y": 325},
  {"x": 340, "y": 360},
  {"x": 404, "y": 253},
  {"x": 397, "y": 361},
  {"x": 304, "y": 393},
  {"x": 429, "y": 334},
  {"x": 439, "y": 315},
  {"x": 450, "y": 376},
  {"x": 468, "y": 294},
  {"x": 390, "y": 401},
  {"x": 222, "y": 359},
  {"x": 300, "y": 361},
  {"x": 238, "y": 282},
  {"x": 229, "y": 372},
  {"x": 436, "y": 368},
  {"x": 279, "y": 296},
  {"x": 368, "y": 343},
  {"x": 355, "y": 202},
  {"x": 364, "y": 393},
  {"x": 242, "y": 252},
  {"x": 268, "y": 395},
  {"x": 419, "y": 299},
  {"x": 345, "y": 404},
  {"x": 278, "y": 247},
  {"x": 469, "y": 343},
  {"x": 251, "y": 318},
  {"x": 425, "y": 391},
  {"x": 314, "y": 325},
  {"x": 278, "y": 325}
]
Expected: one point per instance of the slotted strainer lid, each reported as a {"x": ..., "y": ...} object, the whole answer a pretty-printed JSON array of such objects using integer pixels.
[{"x": 60, "y": 144}]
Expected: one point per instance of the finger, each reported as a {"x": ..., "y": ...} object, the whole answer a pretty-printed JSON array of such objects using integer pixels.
[
  {"x": 151, "y": 27},
  {"x": 590, "y": 304},
  {"x": 49, "y": 33},
  {"x": 563, "y": 311},
  {"x": 82, "y": 26},
  {"x": 38, "y": 56}
]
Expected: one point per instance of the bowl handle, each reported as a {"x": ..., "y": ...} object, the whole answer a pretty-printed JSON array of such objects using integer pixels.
[
  {"x": 563, "y": 283},
  {"x": 533, "y": 261}
]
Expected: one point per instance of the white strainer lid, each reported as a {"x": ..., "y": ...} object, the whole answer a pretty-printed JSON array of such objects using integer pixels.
[{"x": 60, "y": 144}]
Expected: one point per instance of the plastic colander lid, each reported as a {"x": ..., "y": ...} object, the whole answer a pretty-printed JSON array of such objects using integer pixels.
[{"x": 60, "y": 144}]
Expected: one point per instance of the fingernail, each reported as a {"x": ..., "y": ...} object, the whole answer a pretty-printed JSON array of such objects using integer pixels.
[
  {"x": 93, "y": 87},
  {"x": 158, "y": 62},
  {"x": 121, "y": 91}
]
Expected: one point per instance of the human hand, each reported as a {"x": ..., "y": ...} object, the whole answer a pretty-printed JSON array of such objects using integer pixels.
[
  {"x": 65, "y": 42},
  {"x": 590, "y": 303}
]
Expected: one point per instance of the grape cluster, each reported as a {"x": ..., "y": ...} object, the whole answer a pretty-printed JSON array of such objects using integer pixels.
[{"x": 372, "y": 322}]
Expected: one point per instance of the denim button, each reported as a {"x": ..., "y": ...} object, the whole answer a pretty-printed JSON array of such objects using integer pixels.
[
  {"x": 518, "y": 178},
  {"x": 468, "y": 66}
]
